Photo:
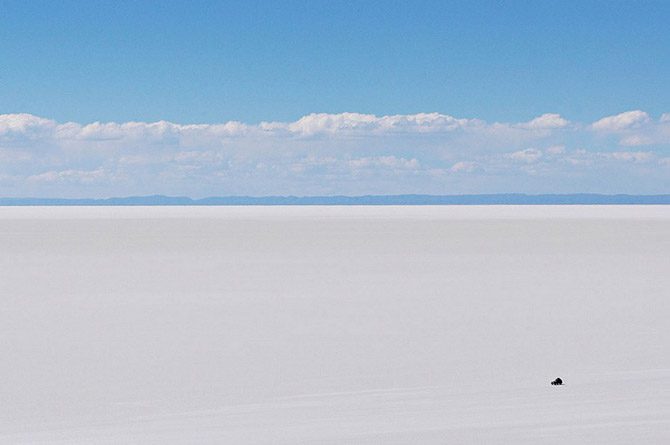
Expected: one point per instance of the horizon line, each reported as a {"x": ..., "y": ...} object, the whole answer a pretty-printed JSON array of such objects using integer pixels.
[{"x": 370, "y": 199}]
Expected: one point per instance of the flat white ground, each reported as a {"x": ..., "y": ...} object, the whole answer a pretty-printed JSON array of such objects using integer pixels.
[{"x": 335, "y": 325}]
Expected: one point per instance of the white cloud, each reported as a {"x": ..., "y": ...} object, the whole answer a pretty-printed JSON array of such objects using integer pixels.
[
  {"x": 391, "y": 162},
  {"x": 632, "y": 156},
  {"x": 548, "y": 121},
  {"x": 636, "y": 140},
  {"x": 323, "y": 123},
  {"x": 70, "y": 176},
  {"x": 622, "y": 121},
  {"x": 338, "y": 153},
  {"x": 463, "y": 166},
  {"x": 528, "y": 155},
  {"x": 332, "y": 125},
  {"x": 635, "y": 128},
  {"x": 23, "y": 123}
]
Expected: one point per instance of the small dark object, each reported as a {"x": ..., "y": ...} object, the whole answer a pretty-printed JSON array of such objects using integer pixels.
[{"x": 558, "y": 381}]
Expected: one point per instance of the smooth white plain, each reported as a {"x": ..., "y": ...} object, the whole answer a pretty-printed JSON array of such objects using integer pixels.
[{"x": 249, "y": 325}]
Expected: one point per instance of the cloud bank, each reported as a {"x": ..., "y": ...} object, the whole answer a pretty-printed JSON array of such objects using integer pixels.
[{"x": 346, "y": 153}]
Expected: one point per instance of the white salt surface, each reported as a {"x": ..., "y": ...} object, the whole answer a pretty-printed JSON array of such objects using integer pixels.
[{"x": 335, "y": 325}]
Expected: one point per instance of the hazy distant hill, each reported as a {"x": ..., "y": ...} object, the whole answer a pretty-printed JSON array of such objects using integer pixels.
[{"x": 495, "y": 199}]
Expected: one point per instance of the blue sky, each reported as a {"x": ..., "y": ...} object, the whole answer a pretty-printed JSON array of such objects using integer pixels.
[{"x": 74, "y": 74}]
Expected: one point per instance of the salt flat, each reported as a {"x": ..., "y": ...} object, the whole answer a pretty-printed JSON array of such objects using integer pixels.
[{"x": 330, "y": 325}]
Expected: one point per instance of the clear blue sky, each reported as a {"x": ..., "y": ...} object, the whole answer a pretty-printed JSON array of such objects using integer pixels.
[
  {"x": 525, "y": 96},
  {"x": 213, "y": 61}
]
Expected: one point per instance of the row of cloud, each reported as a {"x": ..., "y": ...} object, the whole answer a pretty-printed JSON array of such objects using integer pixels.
[
  {"x": 329, "y": 153},
  {"x": 313, "y": 124},
  {"x": 318, "y": 124}
]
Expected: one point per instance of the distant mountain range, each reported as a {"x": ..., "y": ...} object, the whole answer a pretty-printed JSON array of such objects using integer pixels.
[{"x": 493, "y": 199}]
